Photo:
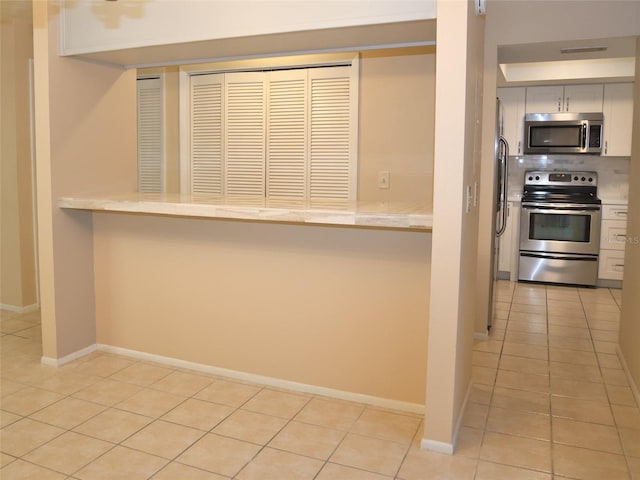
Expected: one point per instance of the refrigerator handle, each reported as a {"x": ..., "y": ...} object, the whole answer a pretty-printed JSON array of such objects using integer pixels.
[{"x": 504, "y": 165}]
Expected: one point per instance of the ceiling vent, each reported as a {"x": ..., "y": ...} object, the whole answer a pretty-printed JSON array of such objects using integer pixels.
[{"x": 600, "y": 48}]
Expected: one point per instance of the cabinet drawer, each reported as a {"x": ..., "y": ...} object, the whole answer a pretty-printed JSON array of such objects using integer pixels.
[
  {"x": 613, "y": 234},
  {"x": 611, "y": 265},
  {"x": 614, "y": 212}
]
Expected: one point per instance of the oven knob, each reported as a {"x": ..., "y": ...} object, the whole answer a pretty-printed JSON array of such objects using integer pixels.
[
  {"x": 583, "y": 179},
  {"x": 530, "y": 178},
  {"x": 590, "y": 179},
  {"x": 575, "y": 178},
  {"x": 537, "y": 177}
]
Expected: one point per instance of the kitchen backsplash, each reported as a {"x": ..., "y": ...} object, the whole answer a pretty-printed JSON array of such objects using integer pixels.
[{"x": 613, "y": 172}]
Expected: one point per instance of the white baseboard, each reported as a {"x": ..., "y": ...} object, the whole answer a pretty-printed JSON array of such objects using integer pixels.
[
  {"x": 481, "y": 336},
  {"x": 467, "y": 395},
  {"x": 17, "y": 309},
  {"x": 443, "y": 447},
  {"x": 58, "y": 362},
  {"x": 267, "y": 381},
  {"x": 435, "y": 446},
  {"x": 630, "y": 379}
]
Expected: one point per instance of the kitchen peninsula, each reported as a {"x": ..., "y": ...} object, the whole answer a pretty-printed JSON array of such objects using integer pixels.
[
  {"x": 322, "y": 211},
  {"x": 323, "y": 296}
]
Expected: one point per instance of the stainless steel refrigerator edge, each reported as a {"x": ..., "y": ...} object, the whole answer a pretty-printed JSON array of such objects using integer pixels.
[{"x": 501, "y": 176}]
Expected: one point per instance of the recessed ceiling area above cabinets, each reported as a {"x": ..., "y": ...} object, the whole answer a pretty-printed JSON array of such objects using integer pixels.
[{"x": 578, "y": 61}]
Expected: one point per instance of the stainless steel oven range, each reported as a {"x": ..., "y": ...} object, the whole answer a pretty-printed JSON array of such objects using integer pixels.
[{"x": 560, "y": 228}]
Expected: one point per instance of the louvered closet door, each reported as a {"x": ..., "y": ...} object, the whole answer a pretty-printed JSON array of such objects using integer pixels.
[
  {"x": 150, "y": 138},
  {"x": 245, "y": 98},
  {"x": 331, "y": 173},
  {"x": 287, "y": 134},
  {"x": 206, "y": 137}
]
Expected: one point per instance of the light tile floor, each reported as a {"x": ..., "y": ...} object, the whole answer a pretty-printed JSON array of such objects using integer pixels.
[{"x": 550, "y": 400}]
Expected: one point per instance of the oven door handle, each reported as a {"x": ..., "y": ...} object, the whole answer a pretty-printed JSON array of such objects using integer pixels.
[
  {"x": 568, "y": 208},
  {"x": 551, "y": 256}
]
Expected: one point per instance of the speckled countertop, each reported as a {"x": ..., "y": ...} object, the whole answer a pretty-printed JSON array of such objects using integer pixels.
[{"x": 324, "y": 212}]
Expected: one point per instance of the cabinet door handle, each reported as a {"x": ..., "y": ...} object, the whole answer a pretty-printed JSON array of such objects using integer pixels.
[
  {"x": 621, "y": 213},
  {"x": 566, "y": 106},
  {"x": 559, "y": 104},
  {"x": 519, "y": 146},
  {"x": 606, "y": 147},
  {"x": 621, "y": 265},
  {"x": 620, "y": 237}
]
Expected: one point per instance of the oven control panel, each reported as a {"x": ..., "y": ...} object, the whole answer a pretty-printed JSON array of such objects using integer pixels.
[{"x": 561, "y": 178}]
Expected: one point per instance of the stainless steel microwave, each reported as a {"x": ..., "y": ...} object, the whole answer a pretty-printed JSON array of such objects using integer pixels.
[{"x": 563, "y": 133}]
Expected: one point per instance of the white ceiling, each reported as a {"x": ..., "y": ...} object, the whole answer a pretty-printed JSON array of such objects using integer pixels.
[
  {"x": 574, "y": 67},
  {"x": 549, "y": 52}
]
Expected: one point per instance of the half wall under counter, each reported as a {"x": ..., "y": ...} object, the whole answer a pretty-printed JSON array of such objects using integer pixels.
[
  {"x": 319, "y": 212},
  {"x": 329, "y": 298}
]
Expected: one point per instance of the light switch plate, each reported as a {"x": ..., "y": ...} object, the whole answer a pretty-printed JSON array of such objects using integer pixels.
[{"x": 383, "y": 179}]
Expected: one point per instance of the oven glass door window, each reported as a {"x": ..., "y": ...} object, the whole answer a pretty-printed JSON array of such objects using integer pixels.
[{"x": 560, "y": 227}]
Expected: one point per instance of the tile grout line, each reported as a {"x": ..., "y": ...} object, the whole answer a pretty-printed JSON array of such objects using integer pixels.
[
  {"x": 615, "y": 421},
  {"x": 262, "y": 447},
  {"x": 551, "y": 434},
  {"x": 493, "y": 386},
  {"x": 495, "y": 378}
]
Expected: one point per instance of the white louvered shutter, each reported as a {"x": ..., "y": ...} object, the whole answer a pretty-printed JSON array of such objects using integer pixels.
[
  {"x": 287, "y": 134},
  {"x": 206, "y": 137},
  {"x": 245, "y": 133},
  {"x": 150, "y": 135},
  {"x": 331, "y": 149}
]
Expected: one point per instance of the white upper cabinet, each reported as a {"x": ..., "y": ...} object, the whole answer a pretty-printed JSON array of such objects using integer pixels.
[
  {"x": 513, "y": 101},
  {"x": 546, "y": 99},
  {"x": 583, "y": 98},
  {"x": 618, "y": 119},
  {"x": 569, "y": 98}
]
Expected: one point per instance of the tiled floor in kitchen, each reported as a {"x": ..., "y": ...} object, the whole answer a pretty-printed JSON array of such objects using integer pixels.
[{"x": 550, "y": 400}]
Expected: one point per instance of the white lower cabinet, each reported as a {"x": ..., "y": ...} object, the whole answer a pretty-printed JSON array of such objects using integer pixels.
[
  {"x": 509, "y": 249},
  {"x": 611, "y": 265},
  {"x": 613, "y": 236}
]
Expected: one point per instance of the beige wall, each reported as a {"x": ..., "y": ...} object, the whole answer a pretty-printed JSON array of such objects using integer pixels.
[
  {"x": 397, "y": 114},
  {"x": 17, "y": 257},
  {"x": 630, "y": 319},
  {"x": 511, "y": 23},
  {"x": 342, "y": 308},
  {"x": 85, "y": 141},
  {"x": 451, "y": 317}
]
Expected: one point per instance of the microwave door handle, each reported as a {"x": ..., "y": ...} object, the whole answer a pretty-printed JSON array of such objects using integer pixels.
[{"x": 585, "y": 128}]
